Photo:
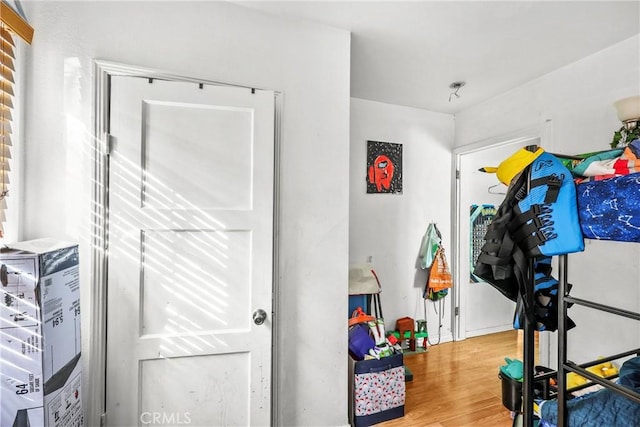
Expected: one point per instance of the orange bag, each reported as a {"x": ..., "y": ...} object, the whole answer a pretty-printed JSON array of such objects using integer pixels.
[{"x": 439, "y": 276}]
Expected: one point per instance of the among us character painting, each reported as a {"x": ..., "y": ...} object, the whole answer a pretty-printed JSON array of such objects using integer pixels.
[{"x": 384, "y": 167}]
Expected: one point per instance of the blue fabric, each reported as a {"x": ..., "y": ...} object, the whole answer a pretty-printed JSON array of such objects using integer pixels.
[
  {"x": 630, "y": 374},
  {"x": 356, "y": 301},
  {"x": 545, "y": 300},
  {"x": 604, "y": 407},
  {"x": 610, "y": 209},
  {"x": 599, "y": 409},
  {"x": 561, "y": 225}
]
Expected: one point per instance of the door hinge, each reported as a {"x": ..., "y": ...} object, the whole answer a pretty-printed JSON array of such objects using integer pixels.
[
  {"x": 457, "y": 311},
  {"x": 457, "y": 174},
  {"x": 110, "y": 143},
  {"x": 103, "y": 419}
]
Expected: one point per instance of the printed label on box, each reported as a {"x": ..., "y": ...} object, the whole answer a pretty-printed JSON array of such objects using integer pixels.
[
  {"x": 61, "y": 318},
  {"x": 64, "y": 408},
  {"x": 19, "y": 305},
  {"x": 21, "y": 384}
]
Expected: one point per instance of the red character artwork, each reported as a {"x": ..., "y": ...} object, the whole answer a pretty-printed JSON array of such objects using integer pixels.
[
  {"x": 381, "y": 173},
  {"x": 384, "y": 167}
]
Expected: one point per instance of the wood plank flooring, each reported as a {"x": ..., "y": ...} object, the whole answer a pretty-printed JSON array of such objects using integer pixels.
[{"x": 457, "y": 384}]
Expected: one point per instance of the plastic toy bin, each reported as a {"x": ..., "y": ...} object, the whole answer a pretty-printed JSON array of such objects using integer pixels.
[
  {"x": 512, "y": 389},
  {"x": 511, "y": 392}
]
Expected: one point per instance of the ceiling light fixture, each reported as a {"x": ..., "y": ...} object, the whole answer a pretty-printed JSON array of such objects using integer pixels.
[
  {"x": 628, "y": 110},
  {"x": 456, "y": 87}
]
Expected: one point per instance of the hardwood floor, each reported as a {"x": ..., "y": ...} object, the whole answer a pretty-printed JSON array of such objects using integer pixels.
[{"x": 457, "y": 384}]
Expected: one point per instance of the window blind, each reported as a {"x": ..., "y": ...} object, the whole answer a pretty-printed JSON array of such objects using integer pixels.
[{"x": 10, "y": 24}]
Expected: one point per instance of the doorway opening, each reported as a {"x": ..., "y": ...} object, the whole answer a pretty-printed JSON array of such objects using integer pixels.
[{"x": 481, "y": 309}]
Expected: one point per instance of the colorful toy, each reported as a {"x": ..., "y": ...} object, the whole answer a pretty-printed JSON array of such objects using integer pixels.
[{"x": 603, "y": 370}]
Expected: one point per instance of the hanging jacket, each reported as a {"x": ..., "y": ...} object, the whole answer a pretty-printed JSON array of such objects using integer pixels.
[
  {"x": 501, "y": 262},
  {"x": 545, "y": 297},
  {"x": 530, "y": 223},
  {"x": 546, "y": 219}
]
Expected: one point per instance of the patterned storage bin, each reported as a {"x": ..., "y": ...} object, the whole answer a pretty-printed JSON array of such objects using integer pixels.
[{"x": 377, "y": 390}]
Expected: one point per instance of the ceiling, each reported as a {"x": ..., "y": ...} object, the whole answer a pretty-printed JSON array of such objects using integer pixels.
[{"x": 408, "y": 53}]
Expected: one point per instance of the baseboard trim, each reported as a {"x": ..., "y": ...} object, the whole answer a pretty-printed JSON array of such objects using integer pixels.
[
  {"x": 487, "y": 331},
  {"x": 443, "y": 338}
]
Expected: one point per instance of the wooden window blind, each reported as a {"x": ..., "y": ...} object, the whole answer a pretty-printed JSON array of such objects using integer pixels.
[{"x": 10, "y": 24}]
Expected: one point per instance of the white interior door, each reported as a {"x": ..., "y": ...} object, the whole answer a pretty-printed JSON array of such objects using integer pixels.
[
  {"x": 190, "y": 254},
  {"x": 483, "y": 309}
]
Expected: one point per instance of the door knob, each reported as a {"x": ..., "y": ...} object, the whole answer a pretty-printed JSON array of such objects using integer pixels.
[{"x": 259, "y": 316}]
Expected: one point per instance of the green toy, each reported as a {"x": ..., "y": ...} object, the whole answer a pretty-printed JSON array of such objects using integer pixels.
[{"x": 513, "y": 369}]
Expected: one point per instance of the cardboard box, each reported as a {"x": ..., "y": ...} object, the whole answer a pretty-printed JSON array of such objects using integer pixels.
[{"x": 40, "y": 370}]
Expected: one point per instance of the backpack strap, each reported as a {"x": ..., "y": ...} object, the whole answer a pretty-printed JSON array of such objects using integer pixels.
[
  {"x": 540, "y": 214},
  {"x": 532, "y": 228},
  {"x": 553, "y": 183},
  {"x": 537, "y": 238}
]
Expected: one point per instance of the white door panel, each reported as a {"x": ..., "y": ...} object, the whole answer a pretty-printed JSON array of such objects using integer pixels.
[
  {"x": 190, "y": 254},
  {"x": 206, "y": 382},
  {"x": 199, "y": 173}
]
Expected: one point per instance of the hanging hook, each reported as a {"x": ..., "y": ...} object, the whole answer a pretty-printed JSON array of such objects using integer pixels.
[{"x": 494, "y": 187}]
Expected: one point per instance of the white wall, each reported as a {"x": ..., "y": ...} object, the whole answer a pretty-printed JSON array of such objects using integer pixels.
[
  {"x": 227, "y": 43},
  {"x": 390, "y": 227},
  {"x": 577, "y": 99}
]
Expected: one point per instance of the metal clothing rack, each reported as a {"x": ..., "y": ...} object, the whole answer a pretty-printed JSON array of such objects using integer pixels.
[
  {"x": 564, "y": 365},
  {"x": 528, "y": 361}
]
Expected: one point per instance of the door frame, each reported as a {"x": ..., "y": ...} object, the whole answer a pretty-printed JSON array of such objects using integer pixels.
[
  {"x": 544, "y": 133},
  {"x": 102, "y": 72}
]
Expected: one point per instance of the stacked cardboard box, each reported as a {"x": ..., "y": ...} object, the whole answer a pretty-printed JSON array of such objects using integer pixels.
[{"x": 40, "y": 368}]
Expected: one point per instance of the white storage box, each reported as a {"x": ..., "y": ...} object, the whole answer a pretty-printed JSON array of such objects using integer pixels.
[{"x": 40, "y": 369}]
